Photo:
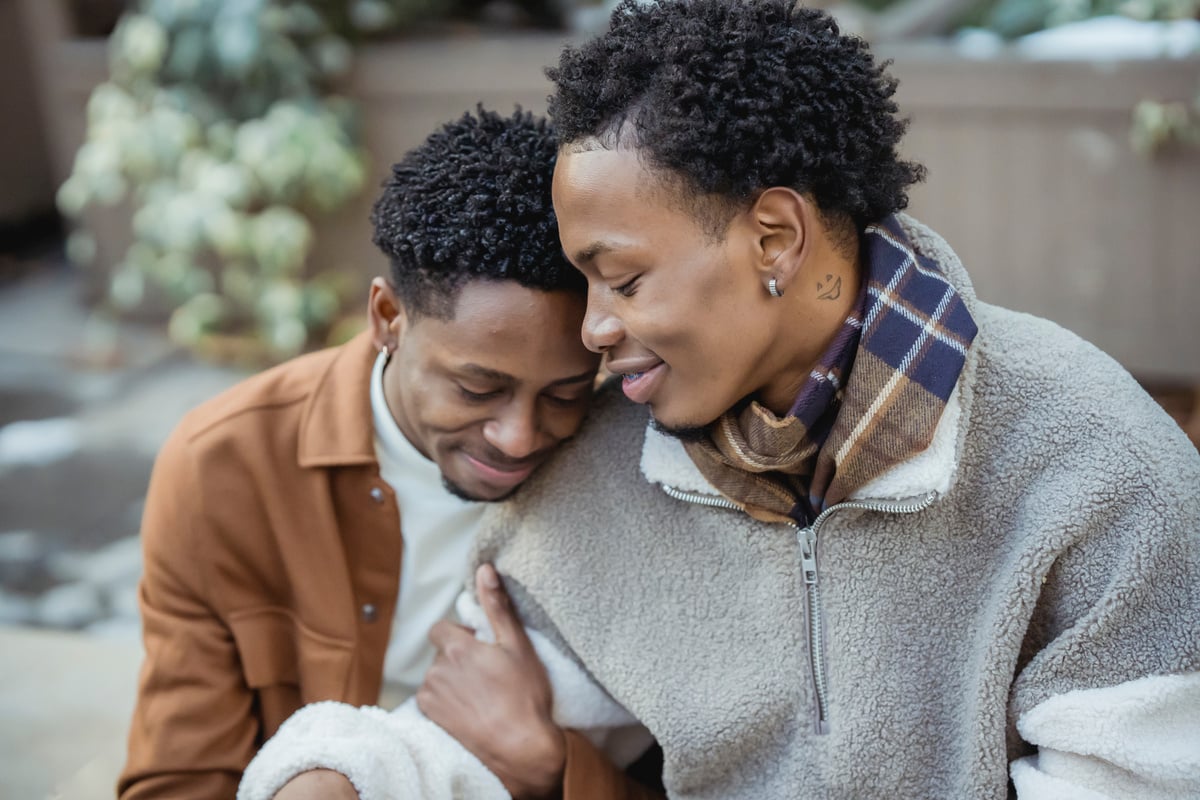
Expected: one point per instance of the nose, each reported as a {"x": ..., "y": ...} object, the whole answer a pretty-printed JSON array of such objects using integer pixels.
[
  {"x": 601, "y": 328},
  {"x": 516, "y": 431}
]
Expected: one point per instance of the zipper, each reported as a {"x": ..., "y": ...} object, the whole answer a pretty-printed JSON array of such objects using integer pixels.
[
  {"x": 700, "y": 499},
  {"x": 807, "y": 539}
]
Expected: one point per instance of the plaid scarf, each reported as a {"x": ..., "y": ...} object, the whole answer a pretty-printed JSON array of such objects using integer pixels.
[{"x": 906, "y": 340}]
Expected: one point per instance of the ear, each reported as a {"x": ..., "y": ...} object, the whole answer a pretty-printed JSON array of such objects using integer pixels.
[
  {"x": 782, "y": 220},
  {"x": 386, "y": 315}
]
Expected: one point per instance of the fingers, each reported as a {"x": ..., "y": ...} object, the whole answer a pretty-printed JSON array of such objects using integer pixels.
[
  {"x": 448, "y": 634},
  {"x": 500, "y": 613}
]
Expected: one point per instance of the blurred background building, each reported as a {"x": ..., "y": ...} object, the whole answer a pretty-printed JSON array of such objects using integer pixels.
[{"x": 184, "y": 197}]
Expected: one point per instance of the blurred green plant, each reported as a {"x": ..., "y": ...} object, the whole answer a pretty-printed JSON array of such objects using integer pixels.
[
  {"x": 1158, "y": 125},
  {"x": 221, "y": 129}
]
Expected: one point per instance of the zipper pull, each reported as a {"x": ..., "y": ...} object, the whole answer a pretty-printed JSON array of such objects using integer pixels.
[{"x": 807, "y": 539}]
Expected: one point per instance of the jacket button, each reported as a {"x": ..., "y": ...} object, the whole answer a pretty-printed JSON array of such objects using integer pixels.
[
  {"x": 369, "y": 612},
  {"x": 377, "y": 494}
]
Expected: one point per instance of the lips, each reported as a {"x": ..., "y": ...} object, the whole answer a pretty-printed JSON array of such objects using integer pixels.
[
  {"x": 507, "y": 476},
  {"x": 640, "y": 379}
]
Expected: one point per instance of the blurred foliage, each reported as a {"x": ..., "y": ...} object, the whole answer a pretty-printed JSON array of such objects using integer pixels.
[
  {"x": 221, "y": 129},
  {"x": 1158, "y": 125}
]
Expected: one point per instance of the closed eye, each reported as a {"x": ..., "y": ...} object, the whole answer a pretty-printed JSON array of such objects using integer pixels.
[
  {"x": 628, "y": 288},
  {"x": 567, "y": 402},
  {"x": 478, "y": 397}
]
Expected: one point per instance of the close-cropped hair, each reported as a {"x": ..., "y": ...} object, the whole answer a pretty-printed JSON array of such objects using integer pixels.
[
  {"x": 473, "y": 202},
  {"x": 732, "y": 97}
]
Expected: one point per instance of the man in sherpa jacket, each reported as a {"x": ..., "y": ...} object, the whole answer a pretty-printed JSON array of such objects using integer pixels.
[{"x": 904, "y": 543}]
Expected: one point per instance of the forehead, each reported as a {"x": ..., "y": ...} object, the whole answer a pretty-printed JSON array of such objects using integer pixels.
[
  {"x": 610, "y": 197},
  {"x": 600, "y": 174},
  {"x": 506, "y": 327}
]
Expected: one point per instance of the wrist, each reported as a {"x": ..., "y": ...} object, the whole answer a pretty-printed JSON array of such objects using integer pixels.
[{"x": 546, "y": 768}]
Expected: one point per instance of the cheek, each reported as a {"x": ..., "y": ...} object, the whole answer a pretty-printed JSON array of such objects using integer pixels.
[
  {"x": 446, "y": 412},
  {"x": 564, "y": 423}
]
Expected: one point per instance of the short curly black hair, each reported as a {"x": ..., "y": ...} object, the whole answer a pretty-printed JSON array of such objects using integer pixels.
[
  {"x": 733, "y": 97},
  {"x": 473, "y": 202}
]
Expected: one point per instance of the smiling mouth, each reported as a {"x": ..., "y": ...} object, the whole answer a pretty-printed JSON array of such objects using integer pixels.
[
  {"x": 505, "y": 473},
  {"x": 640, "y": 386}
]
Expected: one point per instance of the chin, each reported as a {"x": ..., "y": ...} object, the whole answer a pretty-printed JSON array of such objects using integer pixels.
[
  {"x": 482, "y": 495},
  {"x": 683, "y": 432}
]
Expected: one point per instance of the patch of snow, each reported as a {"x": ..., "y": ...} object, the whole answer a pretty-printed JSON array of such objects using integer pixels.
[
  {"x": 71, "y": 605},
  {"x": 117, "y": 563},
  {"x": 39, "y": 442},
  {"x": 1112, "y": 37},
  {"x": 978, "y": 43}
]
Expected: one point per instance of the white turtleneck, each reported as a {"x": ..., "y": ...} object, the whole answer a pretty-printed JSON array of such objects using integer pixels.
[{"x": 438, "y": 530}]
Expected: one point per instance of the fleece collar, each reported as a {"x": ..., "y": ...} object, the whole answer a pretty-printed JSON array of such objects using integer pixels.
[{"x": 666, "y": 462}]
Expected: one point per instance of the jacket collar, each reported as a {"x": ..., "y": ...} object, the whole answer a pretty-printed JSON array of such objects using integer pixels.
[
  {"x": 666, "y": 462},
  {"x": 335, "y": 426}
]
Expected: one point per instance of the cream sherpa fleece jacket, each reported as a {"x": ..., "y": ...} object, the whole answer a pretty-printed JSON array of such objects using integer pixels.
[{"x": 1024, "y": 594}]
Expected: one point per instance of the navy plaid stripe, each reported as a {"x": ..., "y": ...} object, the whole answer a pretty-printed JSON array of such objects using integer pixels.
[{"x": 916, "y": 322}]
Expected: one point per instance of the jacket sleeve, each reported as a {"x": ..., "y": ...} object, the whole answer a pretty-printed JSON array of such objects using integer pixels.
[
  {"x": 1137, "y": 739},
  {"x": 193, "y": 728},
  {"x": 383, "y": 754},
  {"x": 1111, "y": 698},
  {"x": 401, "y": 753},
  {"x": 591, "y": 776}
]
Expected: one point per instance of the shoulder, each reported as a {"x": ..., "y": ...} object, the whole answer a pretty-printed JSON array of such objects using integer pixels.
[
  {"x": 1046, "y": 398},
  {"x": 601, "y": 463},
  {"x": 257, "y": 402},
  {"x": 614, "y": 423}
]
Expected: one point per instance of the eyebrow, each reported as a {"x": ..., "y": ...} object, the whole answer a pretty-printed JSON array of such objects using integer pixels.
[
  {"x": 587, "y": 254},
  {"x": 486, "y": 373}
]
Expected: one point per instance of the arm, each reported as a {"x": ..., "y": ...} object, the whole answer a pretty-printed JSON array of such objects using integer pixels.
[
  {"x": 496, "y": 699},
  {"x": 193, "y": 728},
  {"x": 1137, "y": 739},
  {"x": 1112, "y": 699},
  {"x": 335, "y": 750},
  {"x": 591, "y": 776}
]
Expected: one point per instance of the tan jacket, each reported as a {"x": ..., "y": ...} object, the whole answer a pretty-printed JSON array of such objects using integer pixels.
[{"x": 272, "y": 565}]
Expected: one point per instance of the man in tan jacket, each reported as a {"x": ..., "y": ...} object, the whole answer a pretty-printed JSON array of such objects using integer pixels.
[{"x": 276, "y": 570}]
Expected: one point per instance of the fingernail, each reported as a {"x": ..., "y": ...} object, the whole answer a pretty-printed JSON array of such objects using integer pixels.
[{"x": 487, "y": 574}]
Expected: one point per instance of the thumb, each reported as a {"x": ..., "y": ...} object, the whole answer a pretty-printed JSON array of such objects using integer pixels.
[{"x": 499, "y": 610}]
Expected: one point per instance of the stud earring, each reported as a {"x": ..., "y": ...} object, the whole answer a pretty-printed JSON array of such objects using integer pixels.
[{"x": 773, "y": 288}]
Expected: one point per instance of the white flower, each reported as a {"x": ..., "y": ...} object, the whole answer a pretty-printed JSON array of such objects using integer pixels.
[{"x": 141, "y": 43}]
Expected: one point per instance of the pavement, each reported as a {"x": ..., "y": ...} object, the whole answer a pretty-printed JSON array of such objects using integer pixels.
[{"x": 84, "y": 406}]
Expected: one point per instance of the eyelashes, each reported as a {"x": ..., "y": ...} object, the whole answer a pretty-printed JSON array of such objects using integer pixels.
[{"x": 628, "y": 288}]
